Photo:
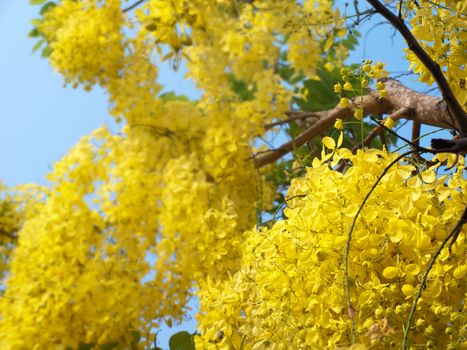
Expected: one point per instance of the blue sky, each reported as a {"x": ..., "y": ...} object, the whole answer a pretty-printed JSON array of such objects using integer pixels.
[{"x": 41, "y": 120}]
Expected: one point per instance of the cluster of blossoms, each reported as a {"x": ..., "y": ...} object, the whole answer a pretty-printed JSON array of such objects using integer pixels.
[
  {"x": 10, "y": 221},
  {"x": 289, "y": 290},
  {"x": 173, "y": 186},
  {"x": 355, "y": 83},
  {"x": 86, "y": 40},
  {"x": 440, "y": 28}
]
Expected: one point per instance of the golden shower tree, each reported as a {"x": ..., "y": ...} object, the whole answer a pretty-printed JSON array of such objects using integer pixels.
[{"x": 365, "y": 250}]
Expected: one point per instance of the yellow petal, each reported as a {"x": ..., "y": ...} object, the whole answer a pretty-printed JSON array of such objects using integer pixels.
[
  {"x": 328, "y": 43},
  {"x": 390, "y": 272},
  {"x": 329, "y": 142},
  {"x": 460, "y": 272}
]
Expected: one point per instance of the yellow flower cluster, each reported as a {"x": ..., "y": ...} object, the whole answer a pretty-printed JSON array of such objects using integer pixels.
[
  {"x": 10, "y": 221},
  {"x": 289, "y": 290},
  {"x": 134, "y": 222},
  {"x": 86, "y": 39},
  {"x": 83, "y": 267},
  {"x": 441, "y": 28},
  {"x": 9, "y": 217},
  {"x": 360, "y": 75}
]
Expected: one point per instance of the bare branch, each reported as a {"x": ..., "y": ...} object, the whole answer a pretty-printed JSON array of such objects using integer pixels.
[
  {"x": 293, "y": 116},
  {"x": 454, "y": 107},
  {"x": 416, "y": 133},
  {"x": 131, "y": 7}
]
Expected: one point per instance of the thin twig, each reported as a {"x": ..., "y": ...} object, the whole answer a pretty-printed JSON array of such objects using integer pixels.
[
  {"x": 453, "y": 234},
  {"x": 416, "y": 133},
  {"x": 281, "y": 205},
  {"x": 349, "y": 238},
  {"x": 458, "y": 146},
  {"x": 131, "y": 7},
  {"x": 291, "y": 119}
]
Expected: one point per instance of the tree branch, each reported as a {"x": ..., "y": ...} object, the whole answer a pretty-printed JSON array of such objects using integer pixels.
[
  {"x": 454, "y": 107},
  {"x": 131, "y": 7},
  {"x": 292, "y": 116},
  {"x": 401, "y": 102}
]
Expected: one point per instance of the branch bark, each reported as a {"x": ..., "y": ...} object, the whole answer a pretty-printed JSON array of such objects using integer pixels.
[
  {"x": 420, "y": 108},
  {"x": 454, "y": 106}
]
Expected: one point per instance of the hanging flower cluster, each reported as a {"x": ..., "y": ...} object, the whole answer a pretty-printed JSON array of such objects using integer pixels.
[
  {"x": 440, "y": 28},
  {"x": 289, "y": 290},
  {"x": 86, "y": 40}
]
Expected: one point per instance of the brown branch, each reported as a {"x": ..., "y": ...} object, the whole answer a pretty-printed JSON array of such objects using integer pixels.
[
  {"x": 400, "y": 102},
  {"x": 416, "y": 128},
  {"x": 131, "y": 7},
  {"x": 456, "y": 110},
  {"x": 416, "y": 133},
  {"x": 293, "y": 116},
  {"x": 384, "y": 141}
]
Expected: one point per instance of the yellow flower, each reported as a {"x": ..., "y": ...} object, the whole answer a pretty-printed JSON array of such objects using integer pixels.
[
  {"x": 383, "y": 93},
  {"x": 460, "y": 272},
  {"x": 389, "y": 123},
  {"x": 348, "y": 86},
  {"x": 338, "y": 88},
  {"x": 338, "y": 124},
  {"x": 344, "y": 102},
  {"x": 329, "y": 66},
  {"x": 358, "y": 114},
  {"x": 390, "y": 272}
]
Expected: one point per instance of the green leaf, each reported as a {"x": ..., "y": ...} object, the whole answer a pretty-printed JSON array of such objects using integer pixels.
[
  {"x": 109, "y": 346},
  {"x": 135, "y": 339},
  {"x": 34, "y": 33},
  {"x": 37, "y": 2},
  {"x": 172, "y": 96},
  {"x": 181, "y": 341},
  {"x": 241, "y": 89},
  {"x": 36, "y": 22},
  {"x": 85, "y": 346},
  {"x": 289, "y": 75},
  {"x": 37, "y": 46},
  {"x": 47, "y": 7},
  {"x": 46, "y": 51}
]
